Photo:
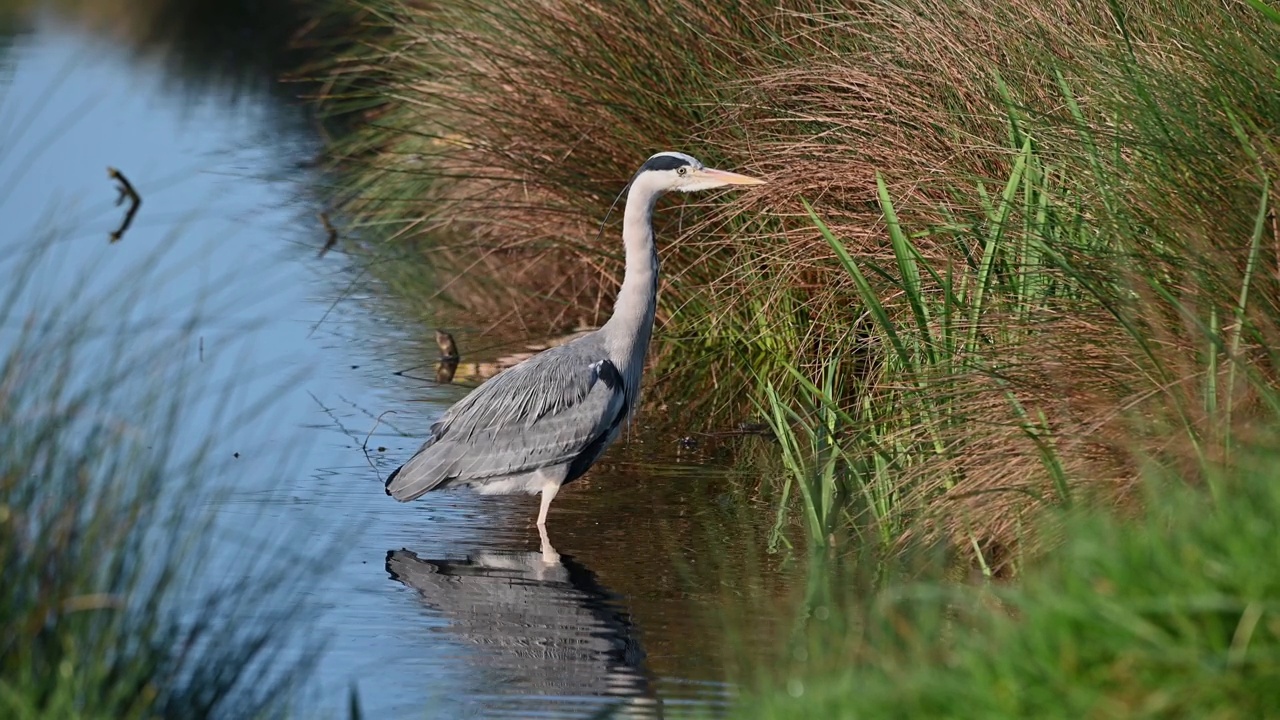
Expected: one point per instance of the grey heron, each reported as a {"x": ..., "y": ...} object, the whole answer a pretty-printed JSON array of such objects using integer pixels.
[{"x": 541, "y": 424}]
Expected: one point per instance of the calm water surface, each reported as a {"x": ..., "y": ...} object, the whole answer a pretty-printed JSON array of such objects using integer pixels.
[{"x": 441, "y": 608}]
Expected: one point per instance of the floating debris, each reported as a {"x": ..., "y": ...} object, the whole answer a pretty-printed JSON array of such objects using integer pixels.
[
  {"x": 449, "y": 368},
  {"x": 445, "y": 370},
  {"x": 448, "y": 364},
  {"x": 448, "y": 348}
]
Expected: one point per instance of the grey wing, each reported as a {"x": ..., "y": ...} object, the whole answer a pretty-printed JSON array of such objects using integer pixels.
[{"x": 558, "y": 407}]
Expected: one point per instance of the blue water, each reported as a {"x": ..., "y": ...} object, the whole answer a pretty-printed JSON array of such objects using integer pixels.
[{"x": 298, "y": 358}]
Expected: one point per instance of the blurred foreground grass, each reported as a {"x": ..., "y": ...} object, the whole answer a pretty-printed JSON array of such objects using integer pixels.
[
  {"x": 1174, "y": 613},
  {"x": 120, "y": 597}
]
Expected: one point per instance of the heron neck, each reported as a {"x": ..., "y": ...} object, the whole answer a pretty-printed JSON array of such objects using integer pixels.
[{"x": 629, "y": 329}]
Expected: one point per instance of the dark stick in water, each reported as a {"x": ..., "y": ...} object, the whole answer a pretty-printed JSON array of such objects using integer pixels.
[
  {"x": 333, "y": 235},
  {"x": 126, "y": 191}
]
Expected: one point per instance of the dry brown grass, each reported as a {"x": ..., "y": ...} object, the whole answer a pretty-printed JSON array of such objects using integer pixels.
[{"x": 509, "y": 128}]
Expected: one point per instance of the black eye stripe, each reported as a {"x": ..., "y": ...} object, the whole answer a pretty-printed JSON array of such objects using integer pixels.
[{"x": 664, "y": 162}]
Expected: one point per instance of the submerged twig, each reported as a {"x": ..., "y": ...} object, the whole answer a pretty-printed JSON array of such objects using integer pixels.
[
  {"x": 126, "y": 190},
  {"x": 448, "y": 364},
  {"x": 377, "y": 421},
  {"x": 343, "y": 296},
  {"x": 365, "y": 445},
  {"x": 333, "y": 235},
  {"x": 445, "y": 370}
]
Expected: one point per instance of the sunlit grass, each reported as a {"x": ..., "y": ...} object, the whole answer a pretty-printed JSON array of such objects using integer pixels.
[
  {"x": 1047, "y": 336},
  {"x": 945, "y": 323}
]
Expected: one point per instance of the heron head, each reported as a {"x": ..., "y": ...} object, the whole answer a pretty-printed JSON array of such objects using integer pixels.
[{"x": 667, "y": 171}]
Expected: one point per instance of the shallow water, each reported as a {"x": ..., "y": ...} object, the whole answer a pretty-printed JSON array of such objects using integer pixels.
[{"x": 442, "y": 608}]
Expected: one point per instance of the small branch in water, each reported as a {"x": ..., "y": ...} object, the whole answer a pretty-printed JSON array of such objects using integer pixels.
[
  {"x": 449, "y": 367},
  {"x": 445, "y": 371},
  {"x": 338, "y": 299},
  {"x": 126, "y": 191},
  {"x": 376, "y": 422},
  {"x": 406, "y": 371},
  {"x": 448, "y": 364},
  {"x": 333, "y": 235},
  {"x": 365, "y": 445}
]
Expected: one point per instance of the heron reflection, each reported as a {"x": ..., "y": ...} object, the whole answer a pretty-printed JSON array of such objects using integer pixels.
[{"x": 548, "y": 637}]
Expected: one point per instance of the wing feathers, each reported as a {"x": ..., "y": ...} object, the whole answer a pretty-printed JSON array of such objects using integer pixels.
[{"x": 541, "y": 413}]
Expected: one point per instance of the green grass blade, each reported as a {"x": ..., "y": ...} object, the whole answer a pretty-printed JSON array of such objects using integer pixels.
[
  {"x": 1242, "y": 304},
  {"x": 1269, "y": 12},
  {"x": 868, "y": 295},
  {"x": 995, "y": 235},
  {"x": 904, "y": 252}
]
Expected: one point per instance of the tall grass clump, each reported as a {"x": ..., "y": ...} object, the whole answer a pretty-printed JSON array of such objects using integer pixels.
[
  {"x": 934, "y": 358},
  {"x": 1168, "y": 614},
  {"x": 913, "y": 403},
  {"x": 1037, "y": 253},
  {"x": 499, "y": 133},
  {"x": 118, "y": 600},
  {"x": 503, "y": 131},
  {"x": 1093, "y": 314}
]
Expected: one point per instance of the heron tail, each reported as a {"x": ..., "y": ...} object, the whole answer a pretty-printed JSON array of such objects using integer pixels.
[{"x": 415, "y": 478}]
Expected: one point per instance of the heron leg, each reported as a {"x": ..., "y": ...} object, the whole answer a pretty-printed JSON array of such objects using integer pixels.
[
  {"x": 549, "y": 554},
  {"x": 549, "y": 491}
]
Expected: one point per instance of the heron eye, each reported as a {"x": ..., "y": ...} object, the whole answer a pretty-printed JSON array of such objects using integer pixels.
[{"x": 682, "y": 170}]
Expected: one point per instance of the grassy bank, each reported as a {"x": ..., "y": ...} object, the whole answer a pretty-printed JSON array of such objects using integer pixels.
[
  {"x": 1170, "y": 614},
  {"x": 1040, "y": 249}
]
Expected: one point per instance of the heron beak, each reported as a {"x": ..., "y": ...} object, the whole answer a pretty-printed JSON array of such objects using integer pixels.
[{"x": 724, "y": 177}]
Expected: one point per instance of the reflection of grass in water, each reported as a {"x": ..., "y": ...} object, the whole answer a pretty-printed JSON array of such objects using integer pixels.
[
  {"x": 240, "y": 47},
  {"x": 118, "y": 599},
  {"x": 1171, "y": 614}
]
